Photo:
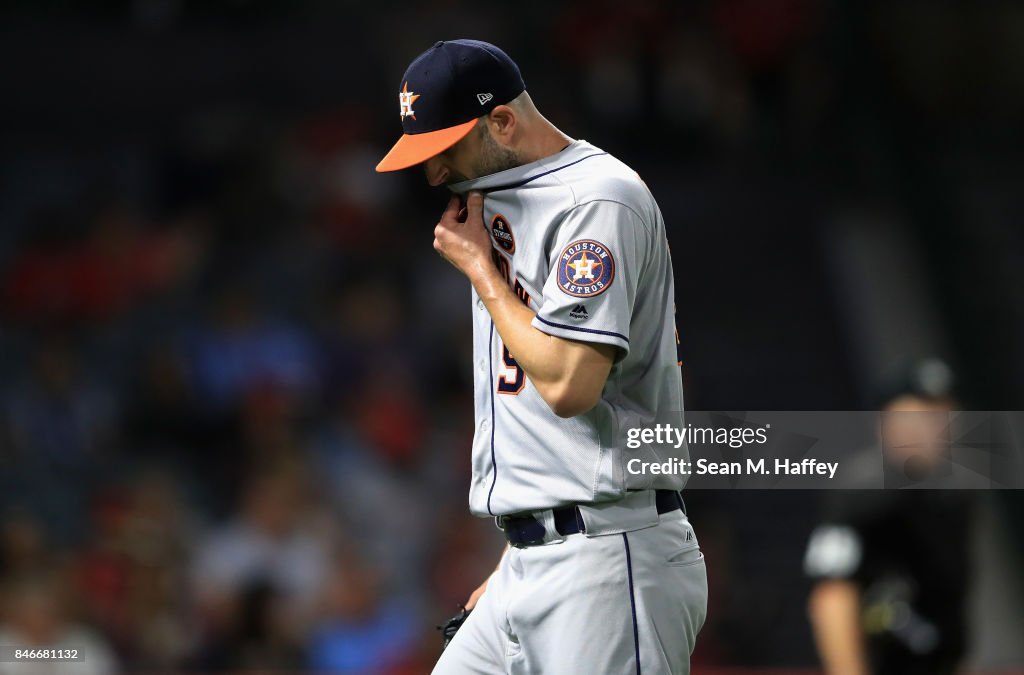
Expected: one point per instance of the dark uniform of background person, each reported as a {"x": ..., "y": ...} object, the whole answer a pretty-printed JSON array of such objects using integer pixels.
[{"x": 891, "y": 566}]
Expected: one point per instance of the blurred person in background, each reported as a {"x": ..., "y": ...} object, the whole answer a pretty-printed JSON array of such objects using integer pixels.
[
  {"x": 362, "y": 629},
  {"x": 257, "y": 579},
  {"x": 95, "y": 273},
  {"x": 369, "y": 462},
  {"x": 259, "y": 634},
  {"x": 35, "y": 617},
  {"x": 164, "y": 419},
  {"x": 102, "y": 570},
  {"x": 58, "y": 417},
  {"x": 60, "y": 426},
  {"x": 891, "y": 567},
  {"x": 242, "y": 346},
  {"x": 130, "y": 575},
  {"x": 23, "y": 546}
]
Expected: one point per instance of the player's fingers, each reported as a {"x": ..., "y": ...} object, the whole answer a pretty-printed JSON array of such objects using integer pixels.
[
  {"x": 475, "y": 206},
  {"x": 451, "y": 212}
]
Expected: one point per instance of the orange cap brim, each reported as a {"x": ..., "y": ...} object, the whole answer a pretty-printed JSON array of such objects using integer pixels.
[{"x": 411, "y": 149}]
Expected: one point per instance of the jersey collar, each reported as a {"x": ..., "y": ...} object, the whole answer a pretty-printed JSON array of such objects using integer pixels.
[{"x": 518, "y": 175}]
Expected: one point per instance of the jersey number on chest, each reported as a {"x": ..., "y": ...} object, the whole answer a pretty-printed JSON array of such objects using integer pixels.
[{"x": 512, "y": 379}]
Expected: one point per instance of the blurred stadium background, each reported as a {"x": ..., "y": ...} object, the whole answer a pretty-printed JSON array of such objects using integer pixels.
[{"x": 236, "y": 413}]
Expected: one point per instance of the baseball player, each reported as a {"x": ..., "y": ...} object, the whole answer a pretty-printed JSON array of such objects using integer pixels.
[
  {"x": 889, "y": 593},
  {"x": 573, "y": 343}
]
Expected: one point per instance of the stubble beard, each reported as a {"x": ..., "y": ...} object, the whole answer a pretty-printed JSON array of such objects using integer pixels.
[{"x": 493, "y": 158}]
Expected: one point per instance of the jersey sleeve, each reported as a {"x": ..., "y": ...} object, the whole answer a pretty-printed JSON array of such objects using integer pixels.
[
  {"x": 600, "y": 250},
  {"x": 836, "y": 547},
  {"x": 834, "y": 551}
]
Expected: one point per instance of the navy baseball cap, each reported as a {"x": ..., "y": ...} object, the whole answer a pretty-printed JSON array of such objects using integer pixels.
[{"x": 442, "y": 94}]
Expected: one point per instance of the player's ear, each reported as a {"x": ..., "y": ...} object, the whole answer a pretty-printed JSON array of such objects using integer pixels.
[{"x": 502, "y": 123}]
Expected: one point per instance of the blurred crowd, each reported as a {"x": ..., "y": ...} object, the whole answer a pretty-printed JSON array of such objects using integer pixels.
[
  {"x": 235, "y": 430},
  {"x": 223, "y": 427},
  {"x": 235, "y": 414}
]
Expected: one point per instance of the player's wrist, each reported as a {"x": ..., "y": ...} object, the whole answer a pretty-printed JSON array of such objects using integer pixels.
[{"x": 486, "y": 280}]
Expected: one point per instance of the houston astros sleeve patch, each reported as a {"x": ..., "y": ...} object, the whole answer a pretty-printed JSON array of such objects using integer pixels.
[{"x": 585, "y": 268}]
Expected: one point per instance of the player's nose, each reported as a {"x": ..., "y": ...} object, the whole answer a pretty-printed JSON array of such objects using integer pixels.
[{"x": 436, "y": 171}]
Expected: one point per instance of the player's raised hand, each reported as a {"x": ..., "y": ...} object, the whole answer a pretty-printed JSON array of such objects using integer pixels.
[{"x": 461, "y": 237}]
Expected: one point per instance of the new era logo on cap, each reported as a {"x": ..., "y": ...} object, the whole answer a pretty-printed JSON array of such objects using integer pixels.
[{"x": 452, "y": 84}]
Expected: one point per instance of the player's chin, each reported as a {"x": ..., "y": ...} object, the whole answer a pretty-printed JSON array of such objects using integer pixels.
[{"x": 454, "y": 177}]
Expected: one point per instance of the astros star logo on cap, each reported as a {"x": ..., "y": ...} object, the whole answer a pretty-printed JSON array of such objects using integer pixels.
[
  {"x": 405, "y": 100},
  {"x": 463, "y": 80}
]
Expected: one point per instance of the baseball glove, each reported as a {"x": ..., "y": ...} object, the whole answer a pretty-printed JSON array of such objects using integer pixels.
[{"x": 452, "y": 625}]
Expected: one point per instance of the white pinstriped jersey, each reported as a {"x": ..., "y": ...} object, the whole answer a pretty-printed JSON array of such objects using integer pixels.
[{"x": 581, "y": 239}]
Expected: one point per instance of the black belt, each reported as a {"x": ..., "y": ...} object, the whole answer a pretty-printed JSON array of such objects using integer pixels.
[{"x": 525, "y": 530}]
